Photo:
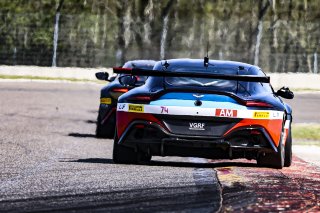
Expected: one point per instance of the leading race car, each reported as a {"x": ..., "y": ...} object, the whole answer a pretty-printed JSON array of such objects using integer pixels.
[
  {"x": 203, "y": 108},
  {"x": 109, "y": 94}
]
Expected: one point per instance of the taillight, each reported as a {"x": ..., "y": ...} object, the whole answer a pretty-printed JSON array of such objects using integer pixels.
[
  {"x": 123, "y": 90},
  {"x": 257, "y": 104},
  {"x": 140, "y": 99}
]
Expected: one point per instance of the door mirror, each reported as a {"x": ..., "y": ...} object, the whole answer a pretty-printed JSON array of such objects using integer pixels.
[
  {"x": 285, "y": 92},
  {"x": 102, "y": 76},
  {"x": 128, "y": 80},
  {"x": 111, "y": 78}
]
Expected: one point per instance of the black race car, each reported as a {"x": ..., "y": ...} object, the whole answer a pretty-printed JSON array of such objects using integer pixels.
[
  {"x": 203, "y": 108},
  {"x": 109, "y": 97}
]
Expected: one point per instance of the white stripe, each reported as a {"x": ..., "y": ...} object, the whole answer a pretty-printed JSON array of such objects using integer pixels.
[
  {"x": 287, "y": 124},
  {"x": 197, "y": 111}
]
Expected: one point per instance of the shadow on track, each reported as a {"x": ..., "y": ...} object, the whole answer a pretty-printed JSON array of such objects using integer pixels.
[
  {"x": 168, "y": 163},
  {"x": 89, "y": 160},
  {"x": 81, "y": 135},
  {"x": 201, "y": 165},
  {"x": 91, "y": 121}
]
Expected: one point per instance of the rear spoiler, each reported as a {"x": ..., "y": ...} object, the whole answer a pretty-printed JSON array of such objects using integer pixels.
[{"x": 145, "y": 72}]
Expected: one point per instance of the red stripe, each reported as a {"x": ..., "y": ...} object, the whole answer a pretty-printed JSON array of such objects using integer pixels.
[
  {"x": 125, "y": 118},
  {"x": 108, "y": 115}
]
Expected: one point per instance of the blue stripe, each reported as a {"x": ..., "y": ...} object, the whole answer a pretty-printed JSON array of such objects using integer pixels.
[{"x": 188, "y": 99}]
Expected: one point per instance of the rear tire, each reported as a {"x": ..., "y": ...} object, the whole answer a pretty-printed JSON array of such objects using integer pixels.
[
  {"x": 288, "y": 150},
  {"x": 127, "y": 155},
  {"x": 122, "y": 154},
  {"x": 105, "y": 130},
  {"x": 273, "y": 160}
]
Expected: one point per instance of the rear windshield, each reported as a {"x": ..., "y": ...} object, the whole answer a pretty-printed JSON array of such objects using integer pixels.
[
  {"x": 140, "y": 79},
  {"x": 241, "y": 88}
]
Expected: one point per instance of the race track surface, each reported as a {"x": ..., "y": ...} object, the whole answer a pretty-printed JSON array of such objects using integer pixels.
[{"x": 51, "y": 162}]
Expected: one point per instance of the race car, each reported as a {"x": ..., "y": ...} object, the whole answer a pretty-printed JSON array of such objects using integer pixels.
[
  {"x": 203, "y": 108},
  {"x": 109, "y": 97}
]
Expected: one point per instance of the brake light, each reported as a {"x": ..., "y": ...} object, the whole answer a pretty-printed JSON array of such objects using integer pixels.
[
  {"x": 257, "y": 104},
  {"x": 140, "y": 98},
  {"x": 124, "y": 90}
]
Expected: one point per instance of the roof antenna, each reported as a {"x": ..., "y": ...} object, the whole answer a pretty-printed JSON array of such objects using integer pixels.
[
  {"x": 206, "y": 58},
  {"x": 166, "y": 64}
]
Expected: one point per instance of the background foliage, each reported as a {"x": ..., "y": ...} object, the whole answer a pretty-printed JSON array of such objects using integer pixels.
[{"x": 277, "y": 35}]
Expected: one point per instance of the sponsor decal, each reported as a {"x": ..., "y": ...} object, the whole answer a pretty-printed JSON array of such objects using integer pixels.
[
  {"x": 275, "y": 114},
  {"x": 121, "y": 106},
  {"x": 226, "y": 112},
  {"x": 164, "y": 109},
  {"x": 135, "y": 108},
  {"x": 196, "y": 126},
  {"x": 261, "y": 114},
  {"x": 105, "y": 100}
]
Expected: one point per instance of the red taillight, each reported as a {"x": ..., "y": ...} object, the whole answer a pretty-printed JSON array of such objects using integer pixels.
[
  {"x": 257, "y": 104},
  {"x": 124, "y": 90},
  {"x": 140, "y": 98}
]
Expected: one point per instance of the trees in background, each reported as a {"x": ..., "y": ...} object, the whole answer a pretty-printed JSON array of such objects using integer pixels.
[{"x": 279, "y": 36}]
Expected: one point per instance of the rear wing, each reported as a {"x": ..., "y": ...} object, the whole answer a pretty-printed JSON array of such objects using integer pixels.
[{"x": 196, "y": 74}]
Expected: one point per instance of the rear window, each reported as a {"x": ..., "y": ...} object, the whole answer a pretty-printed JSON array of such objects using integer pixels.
[
  {"x": 140, "y": 79},
  {"x": 241, "y": 88}
]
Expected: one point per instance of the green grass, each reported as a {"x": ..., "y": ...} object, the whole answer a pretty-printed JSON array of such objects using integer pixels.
[
  {"x": 48, "y": 78},
  {"x": 305, "y": 90},
  {"x": 306, "y": 134}
]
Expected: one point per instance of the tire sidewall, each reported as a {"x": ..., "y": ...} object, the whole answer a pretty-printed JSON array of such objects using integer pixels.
[{"x": 288, "y": 149}]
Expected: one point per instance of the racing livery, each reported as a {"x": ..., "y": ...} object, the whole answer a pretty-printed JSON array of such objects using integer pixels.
[
  {"x": 109, "y": 97},
  {"x": 204, "y": 108}
]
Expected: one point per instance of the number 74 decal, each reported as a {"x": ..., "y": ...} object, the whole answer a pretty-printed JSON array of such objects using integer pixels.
[{"x": 164, "y": 109}]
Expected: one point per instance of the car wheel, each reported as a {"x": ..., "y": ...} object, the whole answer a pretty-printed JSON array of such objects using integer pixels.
[
  {"x": 288, "y": 150},
  {"x": 273, "y": 160},
  {"x": 105, "y": 130},
  {"x": 127, "y": 155},
  {"x": 144, "y": 158},
  {"x": 122, "y": 154}
]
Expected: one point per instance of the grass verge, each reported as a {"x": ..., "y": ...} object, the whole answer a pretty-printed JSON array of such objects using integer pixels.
[
  {"x": 305, "y": 90},
  {"x": 306, "y": 134}
]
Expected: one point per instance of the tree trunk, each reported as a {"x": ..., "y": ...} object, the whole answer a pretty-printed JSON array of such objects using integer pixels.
[
  {"x": 140, "y": 21},
  {"x": 259, "y": 29},
  {"x": 165, "y": 22},
  {"x": 56, "y": 34},
  {"x": 121, "y": 49}
]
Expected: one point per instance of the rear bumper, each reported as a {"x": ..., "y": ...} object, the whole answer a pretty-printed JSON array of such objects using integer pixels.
[{"x": 152, "y": 138}]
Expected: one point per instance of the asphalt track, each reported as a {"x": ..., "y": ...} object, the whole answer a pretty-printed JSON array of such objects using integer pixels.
[{"x": 51, "y": 162}]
